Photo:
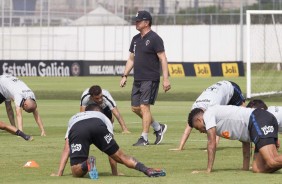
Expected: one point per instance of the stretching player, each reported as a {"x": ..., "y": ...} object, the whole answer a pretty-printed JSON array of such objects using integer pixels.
[
  {"x": 13, "y": 89},
  {"x": 220, "y": 93},
  {"x": 243, "y": 124},
  {"x": 93, "y": 127},
  {"x": 103, "y": 98}
]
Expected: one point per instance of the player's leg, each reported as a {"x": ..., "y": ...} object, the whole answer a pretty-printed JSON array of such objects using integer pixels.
[
  {"x": 132, "y": 163},
  {"x": 79, "y": 142},
  {"x": 13, "y": 130},
  {"x": 267, "y": 159}
]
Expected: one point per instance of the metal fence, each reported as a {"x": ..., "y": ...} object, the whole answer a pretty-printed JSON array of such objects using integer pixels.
[
  {"x": 165, "y": 12},
  {"x": 30, "y": 29}
]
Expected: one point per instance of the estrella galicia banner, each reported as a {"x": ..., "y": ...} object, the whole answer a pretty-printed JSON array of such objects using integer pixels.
[{"x": 41, "y": 68}]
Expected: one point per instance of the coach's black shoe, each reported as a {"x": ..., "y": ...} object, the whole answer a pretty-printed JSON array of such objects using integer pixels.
[
  {"x": 141, "y": 142},
  {"x": 160, "y": 133},
  {"x": 150, "y": 172}
]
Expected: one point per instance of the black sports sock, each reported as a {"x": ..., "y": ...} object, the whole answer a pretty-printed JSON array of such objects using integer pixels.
[
  {"x": 141, "y": 167},
  {"x": 23, "y": 135}
]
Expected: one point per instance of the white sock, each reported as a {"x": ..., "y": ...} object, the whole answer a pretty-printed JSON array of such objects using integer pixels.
[
  {"x": 145, "y": 136},
  {"x": 156, "y": 126}
]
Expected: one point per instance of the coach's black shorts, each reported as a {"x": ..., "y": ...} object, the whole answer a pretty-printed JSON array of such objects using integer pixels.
[
  {"x": 87, "y": 132},
  {"x": 237, "y": 98},
  {"x": 144, "y": 92},
  {"x": 263, "y": 128}
]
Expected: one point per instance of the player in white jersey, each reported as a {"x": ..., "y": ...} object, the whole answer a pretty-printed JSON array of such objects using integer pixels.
[
  {"x": 102, "y": 97},
  {"x": 93, "y": 127},
  {"x": 13, "y": 89},
  {"x": 221, "y": 93},
  {"x": 244, "y": 124}
]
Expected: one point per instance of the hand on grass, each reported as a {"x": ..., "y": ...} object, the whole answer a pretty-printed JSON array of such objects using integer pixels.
[
  {"x": 125, "y": 132},
  {"x": 175, "y": 149}
]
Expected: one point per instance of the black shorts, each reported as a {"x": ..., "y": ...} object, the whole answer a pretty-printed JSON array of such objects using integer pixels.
[
  {"x": 237, "y": 98},
  {"x": 107, "y": 111},
  {"x": 87, "y": 132},
  {"x": 263, "y": 128},
  {"x": 144, "y": 92},
  {"x": 2, "y": 98}
]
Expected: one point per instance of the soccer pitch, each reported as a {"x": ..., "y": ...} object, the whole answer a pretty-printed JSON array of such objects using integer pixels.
[{"x": 59, "y": 98}]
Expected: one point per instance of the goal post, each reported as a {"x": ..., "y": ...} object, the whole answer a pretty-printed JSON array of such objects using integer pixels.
[{"x": 263, "y": 52}]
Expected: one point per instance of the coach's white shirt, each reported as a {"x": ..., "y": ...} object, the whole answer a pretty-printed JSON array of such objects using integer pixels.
[
  {"x": 277, "y": 112},
  {"x": 230, "y": 121},
  {"x": 107, "y": 99},
  {"x": 219, "y": 93},
  {"x": 13, "y": 88},
  {"x": 87, "y": 115}
]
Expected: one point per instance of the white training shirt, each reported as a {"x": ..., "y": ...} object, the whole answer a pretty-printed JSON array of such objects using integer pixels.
[
  {"x": 87, "y": 115},
  {"x": 277, "y": 112},
  {"x": 107, "y": 99},
  {"x": 13, "y": 88},
  {"x": 231, "y": 122},
  {"x": 219, "y": 93}
]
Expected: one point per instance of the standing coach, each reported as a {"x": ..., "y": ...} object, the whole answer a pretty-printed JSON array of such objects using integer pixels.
[{"x": 147, "y": 54}]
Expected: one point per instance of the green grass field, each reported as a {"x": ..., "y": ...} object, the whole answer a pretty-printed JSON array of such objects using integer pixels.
[{"x": 58, "y": 99}]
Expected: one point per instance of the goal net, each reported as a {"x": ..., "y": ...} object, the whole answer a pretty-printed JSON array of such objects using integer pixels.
[{"x": 264, "y": 52}]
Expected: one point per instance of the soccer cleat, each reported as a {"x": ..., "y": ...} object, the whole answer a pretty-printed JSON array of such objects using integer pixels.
[
  {"x": 28, "y": 138},
  {"x": 141, "y": 142},
  {"x": 92, "y": 171},
  {"x": 160, "y": 133},
  {"x": 150, "y": 172}
]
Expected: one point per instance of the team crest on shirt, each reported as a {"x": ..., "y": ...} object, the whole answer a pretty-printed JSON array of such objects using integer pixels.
[
  {"x": 75, "y": 147},
  {"x": 147, "y": 42},
  {"x": 108, "y": 138}
]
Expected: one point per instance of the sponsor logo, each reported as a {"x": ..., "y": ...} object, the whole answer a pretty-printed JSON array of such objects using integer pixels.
[
  {"x": 147, "y": 42},
  {"x": 106, "y": 69},
  {"x": 75, "y": 147},
  {"x": 75, "y": 69},
  {"x": 108, "y": 138},
  {"x": 202, "y": 70},
  {"x": 42, "y": 69},
  {"x": 176, "y": 70},
  {"x": 267, "y": 129},
  {"x": 230, "y": 69},
  {"x": 225, "y": 134}
]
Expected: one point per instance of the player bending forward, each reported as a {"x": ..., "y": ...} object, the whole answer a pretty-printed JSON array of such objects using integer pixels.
[{"x": 93, "y": 127}]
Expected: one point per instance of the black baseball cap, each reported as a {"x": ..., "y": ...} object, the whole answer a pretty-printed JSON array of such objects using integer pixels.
[{"x": 143, "y": 15}]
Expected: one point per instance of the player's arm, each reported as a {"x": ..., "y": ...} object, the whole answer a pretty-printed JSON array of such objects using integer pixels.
[
  {"x": 64, "y": 159},
  {"x": 211, "y": 147},
  {"x": 128, "y": 68},
  {"x": 39, "y": 122},
  {"x": 120, "y": 119},
  {"x": 184, "y": 138},
  {"x": 246, "y": 155},
  {"x": 10, "y": 113},
  {"x": 163, "y": 60},
  {"x": 19, "y": 118}
]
